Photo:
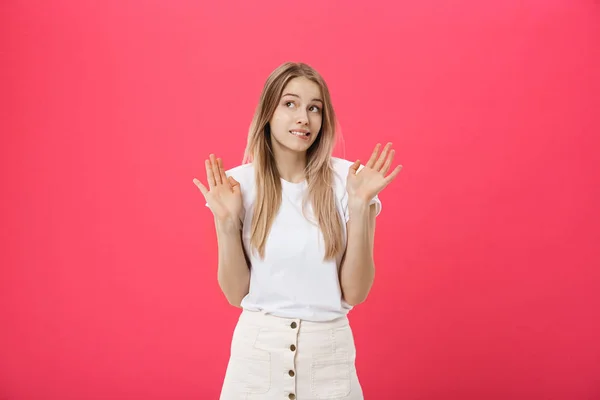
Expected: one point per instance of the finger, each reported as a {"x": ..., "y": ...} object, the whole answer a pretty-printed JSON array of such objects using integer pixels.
[
  {"x": 222, "y": 170},
  {"x": 235, "y": 185},
  {"x": 388, "y": 163},
  {"x": 200, "y": 186},
  {"x": 382, "y": 157},
  {"x": 393, "y": 175},
  {"x": 354, "y": 167},
  {"x": 371, "y": 161},
  {"x": 215, "y": 168},
  {"x": 210, "y": 177}
]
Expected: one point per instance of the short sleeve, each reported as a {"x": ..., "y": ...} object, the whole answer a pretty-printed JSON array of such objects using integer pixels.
[{"x": 377, "y": 203}]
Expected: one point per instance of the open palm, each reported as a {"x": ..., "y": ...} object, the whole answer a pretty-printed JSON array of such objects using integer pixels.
[
  {"x": 223, "y": 195},
  {"x": 366, "y": 183}
]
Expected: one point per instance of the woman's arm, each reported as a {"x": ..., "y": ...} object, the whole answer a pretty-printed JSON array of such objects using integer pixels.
[
  {"x": 363, "y": 184},
  {"x": 357, "y": 271},
  {"x": 224, "y": 198},
  {"x": 233, "y": 269}
]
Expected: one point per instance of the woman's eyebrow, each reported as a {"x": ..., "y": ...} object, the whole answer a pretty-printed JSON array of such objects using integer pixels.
[{"x": 295, "y": 95}]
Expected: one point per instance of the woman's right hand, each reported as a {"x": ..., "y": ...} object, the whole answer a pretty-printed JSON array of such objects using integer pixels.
[{"x": 223, "y": 195}]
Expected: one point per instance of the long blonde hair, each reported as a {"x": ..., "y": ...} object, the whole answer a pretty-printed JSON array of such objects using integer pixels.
[{"x": 319, "y": 172}]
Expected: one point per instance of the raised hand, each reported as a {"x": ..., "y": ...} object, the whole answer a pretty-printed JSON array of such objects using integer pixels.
[
  {"x": 223, "y": 195},
  {"x": 365, "y": 184}
]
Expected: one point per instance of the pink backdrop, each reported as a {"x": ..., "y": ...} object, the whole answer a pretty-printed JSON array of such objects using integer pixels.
[{"x": 487, "y": 258}]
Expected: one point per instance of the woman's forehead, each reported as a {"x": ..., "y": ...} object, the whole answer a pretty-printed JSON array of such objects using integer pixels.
[{"x": 303, "y": 88}]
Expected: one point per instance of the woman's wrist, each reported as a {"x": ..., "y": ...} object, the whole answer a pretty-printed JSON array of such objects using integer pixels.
[{"x": 228, "y": 225}]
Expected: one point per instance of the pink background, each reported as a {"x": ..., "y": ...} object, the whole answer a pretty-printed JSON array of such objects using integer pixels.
[{"x": 487, "y": 250}]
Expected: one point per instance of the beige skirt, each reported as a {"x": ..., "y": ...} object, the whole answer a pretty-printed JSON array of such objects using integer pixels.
[{"x": 285, "y": 358}]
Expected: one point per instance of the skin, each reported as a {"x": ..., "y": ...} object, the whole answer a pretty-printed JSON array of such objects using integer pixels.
[{"x": 300, "y": 108}]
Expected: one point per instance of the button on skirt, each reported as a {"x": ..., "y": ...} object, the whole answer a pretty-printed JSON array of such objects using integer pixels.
[{"x": 286, "y": 358}]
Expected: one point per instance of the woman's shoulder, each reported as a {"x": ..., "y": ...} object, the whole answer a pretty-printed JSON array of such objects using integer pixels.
[
  {"x": 242, "y": 173},
  {"x": 340, "y": 167}
]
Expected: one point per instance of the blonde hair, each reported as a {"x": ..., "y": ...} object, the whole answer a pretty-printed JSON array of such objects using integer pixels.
[{"x": 319, "y": 172}]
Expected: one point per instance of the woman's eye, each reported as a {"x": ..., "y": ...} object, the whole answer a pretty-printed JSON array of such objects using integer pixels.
[
  {"x": 289, "y": 104},
  {"x": 315, "y": 109}
]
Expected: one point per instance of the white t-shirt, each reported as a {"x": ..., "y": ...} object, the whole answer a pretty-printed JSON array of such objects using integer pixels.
[{"x": 293, "y": 280}]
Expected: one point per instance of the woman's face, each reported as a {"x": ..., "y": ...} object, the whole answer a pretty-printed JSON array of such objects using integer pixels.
[{"x": 298, "y": 116}]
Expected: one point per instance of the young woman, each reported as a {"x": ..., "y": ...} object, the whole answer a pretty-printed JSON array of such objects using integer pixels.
[{"x": 295, "y": 229}]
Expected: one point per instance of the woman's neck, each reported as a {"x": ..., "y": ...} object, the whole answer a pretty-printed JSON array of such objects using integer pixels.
[{"x": 291, "y": 165}]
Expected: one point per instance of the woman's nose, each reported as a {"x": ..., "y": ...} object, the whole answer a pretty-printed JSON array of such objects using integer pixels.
[{"x": 302, "y": 118}]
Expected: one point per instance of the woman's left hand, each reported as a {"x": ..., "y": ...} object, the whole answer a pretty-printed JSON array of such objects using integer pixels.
[{"x": 365, "y": 184}]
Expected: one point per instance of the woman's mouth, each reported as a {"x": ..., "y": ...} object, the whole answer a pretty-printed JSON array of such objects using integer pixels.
[{"x": 301, "y": 134}]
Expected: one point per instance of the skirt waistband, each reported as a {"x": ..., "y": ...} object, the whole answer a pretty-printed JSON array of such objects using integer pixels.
[{"x": 259, "y": 318}]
